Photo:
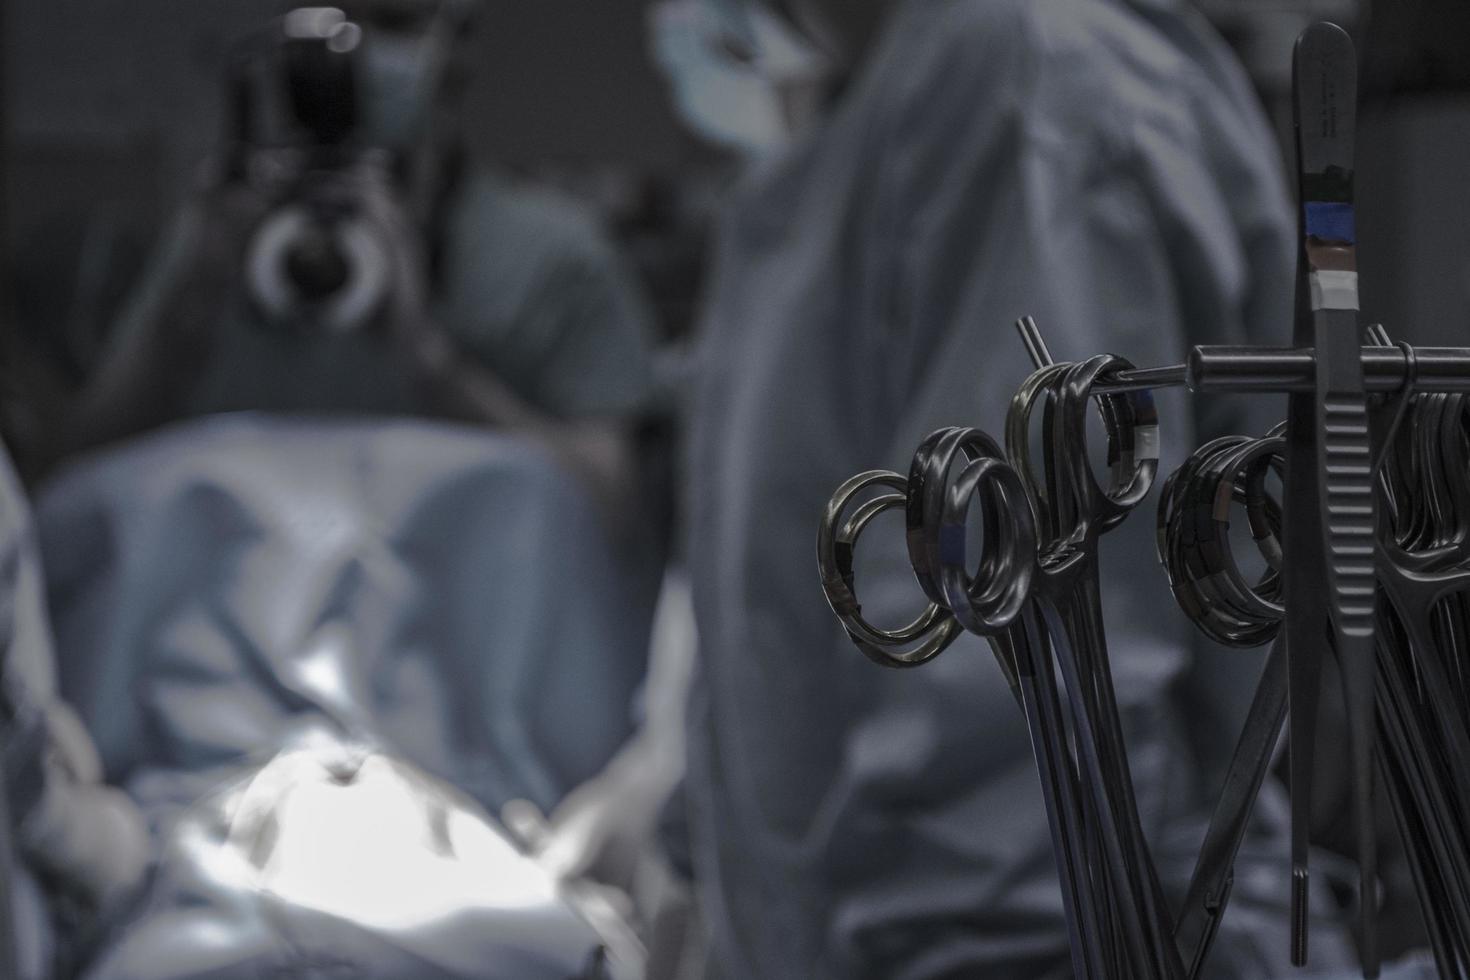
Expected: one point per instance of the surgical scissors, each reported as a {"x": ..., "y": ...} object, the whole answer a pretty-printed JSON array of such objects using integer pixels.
[
  {"x": 935, "y": 628},
  {"x": 1424, "y": 578},
  {"x": 1035, "y": 597},
  {"x": 1196, "y": 551},
  {"x": 996, "y": 603},
  {"x": 994, "y": 610},
  {"x": 1073, "y": 511},
  {"x": 1053, "y": 564},
  {"x": 1366, "y": 556}
]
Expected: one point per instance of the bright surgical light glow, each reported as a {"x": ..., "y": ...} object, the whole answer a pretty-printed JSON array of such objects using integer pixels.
[
  {"x": 311, "y": 23},
  {"x": 382, "y": 847},
  {"x": 320, "y": 668}
]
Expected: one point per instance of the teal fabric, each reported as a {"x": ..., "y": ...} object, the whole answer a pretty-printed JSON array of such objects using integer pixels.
[
  {"x": 531, "y": 288},
  {"x": 221, "y": 586},
  {"x": 538, "y": 293},
  {"x": 1102, "y": 166},
  {"x": 29, "y": 684}
]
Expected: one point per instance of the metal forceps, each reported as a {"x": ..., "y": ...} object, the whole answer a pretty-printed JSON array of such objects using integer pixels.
[
  {"x": 997, "y": 602},
  {"x": 1109, "y": 908},
  {"x": 935, "y": 628},
  {"x": 1331, "y": 534},
  {"x": 1424, "y": 578},
  {"x": 1073, "y": 512},
  {"x": 996, "y": 605},
  {"x": 996, "y": 609},
  {"x": 1196, "y": 550}
]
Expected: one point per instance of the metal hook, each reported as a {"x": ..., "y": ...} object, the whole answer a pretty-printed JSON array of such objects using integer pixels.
[{"x": 1403, "y": 398}]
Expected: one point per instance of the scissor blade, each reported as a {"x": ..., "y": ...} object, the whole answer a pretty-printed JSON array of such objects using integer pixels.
[
  {"x": 1209, "y": 886},
  {"x": 1325, "y": 89},
  {"x": 1025, "y": 645}
]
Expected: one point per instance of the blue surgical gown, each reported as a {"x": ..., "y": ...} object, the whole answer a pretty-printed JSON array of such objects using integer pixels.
[{"x": 1104, "y": 167}]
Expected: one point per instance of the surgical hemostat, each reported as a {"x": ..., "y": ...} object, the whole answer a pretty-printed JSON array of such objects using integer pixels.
[{"x": 1366, "y": 553}]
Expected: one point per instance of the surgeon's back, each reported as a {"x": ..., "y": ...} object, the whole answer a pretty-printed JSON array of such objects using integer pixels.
[{"x": 1099, "y": 165}]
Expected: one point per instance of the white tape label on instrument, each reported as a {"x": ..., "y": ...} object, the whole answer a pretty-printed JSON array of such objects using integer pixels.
[
  {"x": 1146, "y": 442},
  {"x": 1334, "y": 289}
]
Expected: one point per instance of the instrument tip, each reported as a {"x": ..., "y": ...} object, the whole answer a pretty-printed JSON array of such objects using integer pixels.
[
  {"x": 1299, "y": 877},
  {"x": 1035, "y": 344}
]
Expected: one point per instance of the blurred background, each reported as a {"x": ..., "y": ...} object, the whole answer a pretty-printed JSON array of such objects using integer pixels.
[
  {"x": 110, "y": 109},
  {"x": 112, "y": 115}
]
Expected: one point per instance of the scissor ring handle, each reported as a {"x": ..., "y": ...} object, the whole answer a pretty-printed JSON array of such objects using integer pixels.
[
  {"x": 1424, "y": 488},
  {"x": 935, "y": 642},
  {"x": 934, "y": 629},
  {"x": 1195, "y": 545},
  {"x": 1239, "y": 476},
  {"x": 929, "y": 482},
  {"x": 988, "y": 602},
  {"x": 1133, "y": 442},
  {"x": 1037, "y": 390}
]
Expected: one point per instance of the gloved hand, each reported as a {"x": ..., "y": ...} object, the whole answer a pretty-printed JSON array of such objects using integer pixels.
[
  {"x": 89, "y": 836},
  {"x": 606, "y": 827},
  {"x": 598, "y": 832}
]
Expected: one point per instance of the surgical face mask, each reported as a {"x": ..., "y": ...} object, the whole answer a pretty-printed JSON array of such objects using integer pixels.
[
  {"x": 734, "y": 77},
  {"x": 398, "y": 80}
]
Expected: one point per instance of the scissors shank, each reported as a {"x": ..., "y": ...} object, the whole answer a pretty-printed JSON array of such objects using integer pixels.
[
  {"x": 1445, "y": 938},
  {"x": 1136, "y": 905},
  {"x": 1049, "y": 745},
  {"x": 1349, "y": 524},
  {"x": 1412, "y": 597},
  {"x": 1305, "y": 628},
  {"x": 1209, "y": 887},
  {"x": 1087, "y": 626},
  {"x": 1408, "y": 753}
]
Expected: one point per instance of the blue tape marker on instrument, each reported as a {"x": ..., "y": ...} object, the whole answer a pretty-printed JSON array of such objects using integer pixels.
[
  {"x": 952, "y": 544},
  {"x": 1331, "y": 222}
]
